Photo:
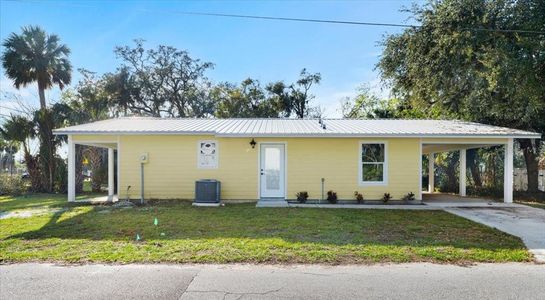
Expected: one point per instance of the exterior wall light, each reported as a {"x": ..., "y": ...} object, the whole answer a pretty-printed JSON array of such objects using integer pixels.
[{"x": 253, "y": 143}]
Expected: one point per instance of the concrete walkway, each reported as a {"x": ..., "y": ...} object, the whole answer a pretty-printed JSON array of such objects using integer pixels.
[
  {"x": 450, "y": 200},
  {"x": 402, "y": 281},
  {"x": 526, "y": 222}
]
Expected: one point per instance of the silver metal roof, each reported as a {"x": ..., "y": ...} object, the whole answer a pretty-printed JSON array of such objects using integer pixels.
[{"x": 295, "y": 128}]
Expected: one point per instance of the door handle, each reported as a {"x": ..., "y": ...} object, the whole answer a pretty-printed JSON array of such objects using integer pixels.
[{"x": 262, "y": 172}]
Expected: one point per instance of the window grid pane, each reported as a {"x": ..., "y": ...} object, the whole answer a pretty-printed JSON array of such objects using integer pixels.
[
  {"x": 372, "y": 152},
  {"x": 373, "y": 159},
  {"x": 372, "y": 172}
]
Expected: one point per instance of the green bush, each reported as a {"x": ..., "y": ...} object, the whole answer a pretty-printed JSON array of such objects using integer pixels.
[
  {"x": 530, "y": 196},
  {"x": 490, "y": 191},
  {"x": 302, "y": 196},
  {"x": 358, "y": 196},
  {"x": 12, "y": 185},
  {"x": 386, "y": 197},
  {"x": 60, "y": 181},
  {"x": 409, "y": 197},
  {"x": 332, "y": 197}
]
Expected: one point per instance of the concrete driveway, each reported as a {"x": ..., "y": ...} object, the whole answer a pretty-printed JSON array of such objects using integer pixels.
[
  {"x": 402, "y": 281},
  {"x": 526, "y": 222}
]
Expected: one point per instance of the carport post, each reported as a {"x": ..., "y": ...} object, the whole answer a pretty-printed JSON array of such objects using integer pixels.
[
  {"x": 508, "y": 172},
  {"x": 71, "y": 170},
  {"x": 110, "y": 174},
  {"x": 463, "y": 167},
  {"x": 431, "y": 172}
]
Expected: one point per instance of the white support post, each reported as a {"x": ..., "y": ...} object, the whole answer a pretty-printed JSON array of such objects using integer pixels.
[
  {"x": 71, "y": 170},
  {"x": 110, "y": 174},
  {"x": 508, "y": 172},
  {"x": 463, "y": 168},
  {"x": 431, "y": 172}
]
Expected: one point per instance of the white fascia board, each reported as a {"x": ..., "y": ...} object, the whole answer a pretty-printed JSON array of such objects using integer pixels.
[
  {"x": 329, "y": 135},
  {"x": 333, "y": 135},
  {"x": 60, "y": 132}
]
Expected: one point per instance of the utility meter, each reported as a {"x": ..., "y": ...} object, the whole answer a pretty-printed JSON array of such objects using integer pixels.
[{"x": 144, "y": 158}]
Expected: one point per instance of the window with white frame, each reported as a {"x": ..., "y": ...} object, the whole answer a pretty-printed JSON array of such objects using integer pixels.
[
  {"x": 207, "y": 154},
  {"x": 373, "y": 163}
]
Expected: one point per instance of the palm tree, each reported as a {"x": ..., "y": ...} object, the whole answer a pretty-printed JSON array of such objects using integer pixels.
[
  {"x": 18, "y": 129},
  {"x": 35, "y": 56}
]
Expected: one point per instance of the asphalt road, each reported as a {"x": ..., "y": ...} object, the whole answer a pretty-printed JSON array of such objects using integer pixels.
[{"x": 406, "y": 281}]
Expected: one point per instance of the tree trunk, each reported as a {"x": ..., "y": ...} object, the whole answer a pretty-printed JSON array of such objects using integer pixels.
[
  {"x": 451, "y": 178},
  {"x": 79, "y": 167},
  {"x": 41, "y": 92},
  {"x": 33, "y": 171},
  {"x": 47, "y": 150},
  {"x": 474, "y": 168},
  {"x": 530, "y": 151},
  {"x": 452, "y": 161},
  {"x": 94, "y": 155},
  {"x": 47, "y": 147},
  {"x": 11, "y": 162}
]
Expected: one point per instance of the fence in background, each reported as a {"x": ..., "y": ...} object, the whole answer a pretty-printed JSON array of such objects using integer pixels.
[{"x": 521, "y": 180}]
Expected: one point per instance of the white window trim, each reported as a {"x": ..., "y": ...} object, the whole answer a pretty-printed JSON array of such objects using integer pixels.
[
  {"x": 385, "y": 164},
  {"x": 199, "y": 165}
]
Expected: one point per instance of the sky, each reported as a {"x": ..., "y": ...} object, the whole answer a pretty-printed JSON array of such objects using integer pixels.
[{"x": 267, "y": 50}]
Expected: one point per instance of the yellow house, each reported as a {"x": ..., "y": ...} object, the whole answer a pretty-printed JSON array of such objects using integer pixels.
[{"x": 273, "y": 159}]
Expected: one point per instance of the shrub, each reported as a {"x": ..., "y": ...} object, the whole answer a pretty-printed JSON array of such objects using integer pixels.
[
  {"x": 484, "y": 191},
  {"x": 409, "y": 196},
  {"x": 332, "y": 197},
  {"x": 538, "y": 196},
  {"x": 387, "y": 197},
  {"x": 302, "y": 196},
  {"x": 358, "y": 196},
  {"x": 60, "y": 181},
  {"x": 12, "y": 185}
]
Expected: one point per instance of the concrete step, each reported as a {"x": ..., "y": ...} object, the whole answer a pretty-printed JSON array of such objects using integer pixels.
[{"x": 272, "y": 203}]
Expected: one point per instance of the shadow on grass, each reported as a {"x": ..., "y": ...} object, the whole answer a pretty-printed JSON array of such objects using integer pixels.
[
  {"x": 38, "y": 200},
  {"x": 297, "y": 226}
]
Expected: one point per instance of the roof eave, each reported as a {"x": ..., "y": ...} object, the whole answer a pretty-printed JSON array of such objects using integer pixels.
[
  {"x": 67, "y": 132},
  {"x": 314, "y": 135}
]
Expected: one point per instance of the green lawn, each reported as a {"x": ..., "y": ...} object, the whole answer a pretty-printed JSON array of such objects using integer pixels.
[{"x": 243, "y": 233}]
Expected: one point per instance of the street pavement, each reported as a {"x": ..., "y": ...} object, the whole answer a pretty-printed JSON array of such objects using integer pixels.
[{"x": 389, "y": 281}]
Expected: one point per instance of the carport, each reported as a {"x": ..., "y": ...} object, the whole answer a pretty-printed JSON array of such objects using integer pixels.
[
  {"x": 430, "y": 147},
  {"x": 101, "y": 143}
]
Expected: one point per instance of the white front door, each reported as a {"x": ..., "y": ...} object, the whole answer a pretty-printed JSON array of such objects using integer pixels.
[{"x": 272, "y": 170}]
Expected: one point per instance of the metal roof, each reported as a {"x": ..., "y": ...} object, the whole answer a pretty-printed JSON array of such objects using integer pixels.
[{"x": 295, "y": 128}]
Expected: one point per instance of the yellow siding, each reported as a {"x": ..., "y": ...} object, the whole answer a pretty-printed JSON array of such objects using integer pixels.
[
  {"x": 172, "y": 168},
  {"x": 336, "y": 160}
]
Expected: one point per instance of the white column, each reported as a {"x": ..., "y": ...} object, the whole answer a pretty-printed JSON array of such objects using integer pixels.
[
  {"x": 508, "y": 172},
  {"x": 110, "y": 174},
  {"x": 463, "y": 168},
  {"x": 431, "y": 172},
  {"x": 71, "y": 170}
]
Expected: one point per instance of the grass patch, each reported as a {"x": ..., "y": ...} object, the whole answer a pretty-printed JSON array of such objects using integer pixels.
[
  {"x": 40, "y": 201},
  {"x": 244, "y": 233}
]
